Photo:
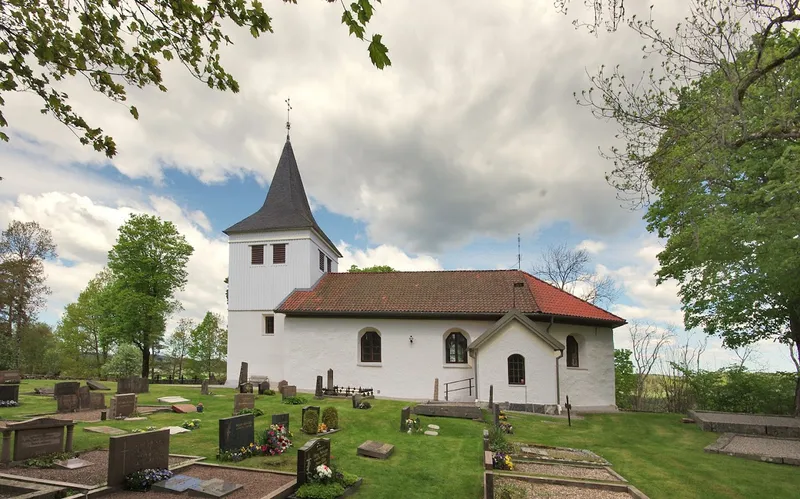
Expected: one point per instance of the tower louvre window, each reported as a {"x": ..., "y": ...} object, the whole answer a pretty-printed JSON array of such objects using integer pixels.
[
  {"x": 321, "y": 260},
  {"x": 329, "y": 264},
  {"x": 279, "y": 253},
  {"x": 269, "y": 324},
  {"x": 257, "y": 254}
]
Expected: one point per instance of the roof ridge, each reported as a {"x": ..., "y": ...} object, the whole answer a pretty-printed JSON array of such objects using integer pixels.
[
  {"x": 570, "y": 294},
  {"x": 429, "y": 271}
]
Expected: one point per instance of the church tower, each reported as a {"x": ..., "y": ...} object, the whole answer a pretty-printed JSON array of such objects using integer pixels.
[{"x": 274, "y": 251}]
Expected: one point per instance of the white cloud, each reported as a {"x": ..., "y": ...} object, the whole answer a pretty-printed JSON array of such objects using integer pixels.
[
  {"x": 384, "y": 255},
  {"x": 592, "y": 247}
]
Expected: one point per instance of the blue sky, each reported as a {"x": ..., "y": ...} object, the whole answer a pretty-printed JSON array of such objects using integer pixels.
[{"x": 470, "y": 137}]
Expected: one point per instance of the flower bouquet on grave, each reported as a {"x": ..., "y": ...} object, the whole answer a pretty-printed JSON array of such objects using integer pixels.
[
  {"x": 275, "y": 440},
  {"x": 191, "y": 425},
  {"x": 502, "y": 416},
  {"x": 506, "y": 427},
  {"x": 322, "y": 428},
  {"x": 326, "y": 482},
  {"x": 502, "y": 461},
  {"x": 414, "y": 425},
  {"x": 8, "y": 403},
  {"x": 200, "y": 407},
  {"x": 143, "y": 479}
]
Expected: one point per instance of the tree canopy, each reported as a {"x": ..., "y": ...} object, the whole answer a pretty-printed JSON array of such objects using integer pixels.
[
  {"x": 121, "y": 44},
  {"x": 374, "y": 268}
]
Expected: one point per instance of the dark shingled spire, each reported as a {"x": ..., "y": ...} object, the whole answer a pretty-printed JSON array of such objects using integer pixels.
[{"x": 286, "y": 206}]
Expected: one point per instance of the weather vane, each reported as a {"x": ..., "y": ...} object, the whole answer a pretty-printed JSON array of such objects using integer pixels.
[{"x": 288, "y": 123}]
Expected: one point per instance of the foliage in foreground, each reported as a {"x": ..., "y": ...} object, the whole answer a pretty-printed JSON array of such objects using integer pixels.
[
  {"x": 142, "y": 480},
  {"x": 326, "y": 483}
]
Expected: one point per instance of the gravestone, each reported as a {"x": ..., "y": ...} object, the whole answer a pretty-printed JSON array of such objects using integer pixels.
[
  {"x": 204, "y": 387},
  {"x": 10, "y": 377},
  {"x": 66, "y": 388},
  {"x": 289, "y": 391},
  {"x": 496, "y": 412},
  {"x": 214, "y": 488},
  {"x": 378, "y": 450},
  {"x": 330, "y": 380},
  {"x": 67, "y": 403},
  {"x": 177, "y": 484},
  {"x": 74, "y": 463},
  {"x": 315, "y": 452},
  {"x": 172, "y": 400},
  {"x": 243, "y": 401},
  {"x": 246, "y": 388},
  {"x": 405, "y": 414},
  {"x": 281, "y": 419},
  {"x": 138, "y": 451},
  {"x": 263, "y": 387},
  {"x": 243, "y": 376},
  {"x": 491, "y": 396},
  {"x": 123, "y": 405},
  {"x": 318, "y": 389},
  {"x": 83, "y": 398},
  {"x": 44, "y": 391},
  {"x": 36, "y": 437},
  {"x": 105, "y": 430},
  {"x": 97, "y": 401},
  {"x": 306, "y": 409},
  {"x": 96, "y": 385},
  {"x": 9, "y": 393},
  {"x": 183, "y": 408},
  {"x": 281, "y": 385},
  {"x": 436, "y": 390},
  {"x": 236, "y": 432},
  {"x": 133, "y": 384},
  {"x": 356, "y": 400}
]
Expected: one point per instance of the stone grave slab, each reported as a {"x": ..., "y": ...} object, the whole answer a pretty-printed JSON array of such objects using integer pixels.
[
  {"x": 178, "y": 484},
  {"x": 289, "y": 391},
  {"x": 137, "y": 451},
  {"x": 214, "y": 488},
  {"x": 378, "y": 450},
  {"x": 183, "y": 408},
  {"x": 105, "y": 430},
  {"x": 133, "y": 384},
  {"x": 97, "y": 401},
  {"x": 67, "y": 403},
  {"x": 431, "y": 433},
  {"x": 236, "y": 432},
  {"x": 73, "y": 464},
  {"x": 243, "y": 401},
  {"x": 433, "y": 426},
  {"x": 315, "y": 452},
  {"x": 44, "y": 391},
  {"x": 172, "y": 400},
  {"x": 96, "y": 385},
  {"x": 281, "y": 419},
  {"x": 9, "y": 392},
  {"x": 36, "y": 437},
  {"x": 66, "y": 388},
  {"x": 174, "y": 430},
  {"x": 531, "y": 450},
  {"x": 138, "y": 418}
]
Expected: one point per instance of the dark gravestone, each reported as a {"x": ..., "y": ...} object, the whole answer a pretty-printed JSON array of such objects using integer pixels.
[
  {"x": 10, "y": 377},
  {"x": 123, "y": 405},
  {"x": 281, "y": 419},
  {"x": 281, "y": 385},
  {"x": 131, "y": 453},
  {"x": 491, "y": 396},
  {"x": 66, "y": 388},
  {"x": 356, "y": 400},
  {"x": 97, "y": 401},
  {"x": 243, "y": 374},
  {"x": 315, "y": 452},
  {"x": 318, "y": 388},
  {"x": 96, "y": 385},
  {"x": 243, "y": 401},
  {"x": 83, "y": 398},
  {"x": 496, "y": 413},
  {"x": 378, "y": 450},
  {"x": 9, "y": 392},
  {"x": 133, "y": 384},
  {"x": 330, "y": 380},
  {"x": 236, "y": 432},
  {"x": 263, "y": 387},
  {"x": 289, "y": 391},
  {"x": 30, "y": 443},
  {"x": 67, "y": 403},
  {"x": 204, "y": 387},
  {"x": 176, "y": 484},
  {"x": 405, "y": 414}
]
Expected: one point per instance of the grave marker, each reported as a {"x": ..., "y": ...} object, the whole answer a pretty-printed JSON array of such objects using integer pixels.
[
  {"x": 243, "y": 401},
  {"x": 84, "y": 401},
  {"x": 67, "y": 403},
  {"x": 330, "y": 380},
  {"x": 436, "y": 390},
  {"x": 96, "y": 385},
  {"x": 130, "y": 453},
  {"x": 66, "y": 388},
  {"x": 123, "y": 405},
  {"x": 243, "y": 374},
  {"x": 214, "y": 488},
  {"x": 97, "y": 401},
  {"x": 318, "y": 388},
  {"x": 263, "y": 387},
  {"x": 496, "y": 412},
  {"x": 133, "y": 384},
  {"x": 10, "y": 377},
  {"x": 315, "y": 452},
  {"x": 312, "y": 408},
  {"x": 281, "y": 419},
  {"x": 378, "y": 450},
  {"x": 405, "y": 414},
  {"x": 176, "y": 484},
  {"x": 9, "y": 392},
  {"x": 281, "y": 384},
  {"x": 246, "y": 388},
  {"x": 491, "y": 396},
  {"x": 289, "y": 391},
  {"x": 356, "y": 400},
  {"x": 36, "y": 437},
  {"x": 236, "y": 432}
]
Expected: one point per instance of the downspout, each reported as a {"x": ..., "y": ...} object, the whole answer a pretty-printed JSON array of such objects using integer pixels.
[
  {"x": 475, "y": 367},
  {"x": 558, "y": 377}
]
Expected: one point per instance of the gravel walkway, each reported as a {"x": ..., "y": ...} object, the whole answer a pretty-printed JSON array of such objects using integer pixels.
[
  {"x": 535, "y": 490},
  {"x": 747, "y": 419},
  {"x": 772, "y": 447},
  {"x": 565, "y": 470},
  {"x": 94, "y": 475},
  {"x": 256, "y": 484}
]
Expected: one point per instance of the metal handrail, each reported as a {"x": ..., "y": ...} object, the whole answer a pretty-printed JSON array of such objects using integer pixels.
[{"x": 447, "y": 388}]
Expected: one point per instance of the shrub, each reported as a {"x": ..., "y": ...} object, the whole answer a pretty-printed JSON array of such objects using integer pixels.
[
  {"x": 127, "y": 361},
  {"x": 294, "y": 400},
  {"x": 498, "y": 441},
  {"x": 311, "y": 422},
  {"x": 509, "y": 491},
  {"x": 192, "y": 424},
  {"x": 364, "y": 405},
  {"x": 319, "y": 491},
  {"x": 330, "y": 417},
  {"x": 625, "y": 379},
  {"x": 269, "y": 392},
  {"x": 256, "y": 412}
]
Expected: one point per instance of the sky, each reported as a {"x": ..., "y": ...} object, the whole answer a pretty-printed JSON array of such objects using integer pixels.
[{"x": 471, "y": 137}]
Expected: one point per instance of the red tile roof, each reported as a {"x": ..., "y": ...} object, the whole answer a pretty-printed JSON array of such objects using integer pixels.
[{"x": 458, "y": 292}]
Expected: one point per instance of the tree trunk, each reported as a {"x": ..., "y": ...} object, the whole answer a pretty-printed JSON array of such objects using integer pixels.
[{"x": 146, "y": 362}]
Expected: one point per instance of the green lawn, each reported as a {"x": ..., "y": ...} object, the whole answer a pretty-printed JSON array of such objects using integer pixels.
[{"x": 655, "y": 452}]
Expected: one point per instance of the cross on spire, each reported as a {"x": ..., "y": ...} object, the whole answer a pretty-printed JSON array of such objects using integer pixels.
[{"x": 288, "y": 123}]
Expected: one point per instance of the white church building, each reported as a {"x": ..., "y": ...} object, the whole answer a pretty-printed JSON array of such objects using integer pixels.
[{"x": 292, "y": 316}]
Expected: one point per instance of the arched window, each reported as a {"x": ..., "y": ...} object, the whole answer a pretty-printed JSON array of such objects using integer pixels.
[
  {"x": 456, "y": 348},
  {"x": 516, "y": 369},
  {"x": 371, "y": 347},
  {"x": 572, "y": 352}
]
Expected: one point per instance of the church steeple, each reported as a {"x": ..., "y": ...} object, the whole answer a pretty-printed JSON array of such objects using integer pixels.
[{"x": 286, "y": 206}]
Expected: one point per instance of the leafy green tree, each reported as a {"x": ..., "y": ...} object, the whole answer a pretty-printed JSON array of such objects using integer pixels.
[
  {"x": 624, "y": 377},
  {"x": 374, "y": 268},
  {"x": 209, "y": 344},
  {"x": 148, "y": 265},
  {"x": 83, "y": 331},
  {"x": 37, "y": 343},
  {"x": 119, "y": 44},
  {"x": 126, "y": 361},
  {"x": 178, "y": 345}
]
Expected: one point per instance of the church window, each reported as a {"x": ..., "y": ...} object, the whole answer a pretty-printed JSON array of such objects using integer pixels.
[
  {"x": 370, "y": 347},
  {"x": 573, "y": 359},
  {"x": 321, "y": 261},
  {"x": 269, "y": 324},
  {"x": 279, "y": 253},
  {"x": 516, "y": 369},
  {"x": 257, "y": 254},
  {"x": 456, "y": 347},
  {"x": 329, "y": 264}
]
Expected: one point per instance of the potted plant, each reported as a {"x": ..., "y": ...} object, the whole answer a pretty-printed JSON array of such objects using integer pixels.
[{"x": 200, "y": 407}]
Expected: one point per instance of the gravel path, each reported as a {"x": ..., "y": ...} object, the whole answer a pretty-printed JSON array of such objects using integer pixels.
[
  {"x": 535, "y": 490},
  {"x": 95, "y": 474},
  {"x": 772, "y": 447},
  {"x": 747, "y": 419},
  {"x": 256, "y": 484},
  {"x": 565, "y": 470}
]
